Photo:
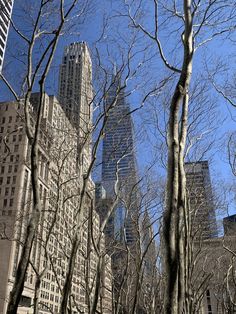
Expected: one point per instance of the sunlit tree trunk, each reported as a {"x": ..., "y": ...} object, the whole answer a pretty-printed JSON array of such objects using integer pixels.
[{"x": 174, "y": 227}]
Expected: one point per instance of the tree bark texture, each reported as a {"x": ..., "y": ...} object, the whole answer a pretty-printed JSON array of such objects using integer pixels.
[{"x": 174, "y": 226}]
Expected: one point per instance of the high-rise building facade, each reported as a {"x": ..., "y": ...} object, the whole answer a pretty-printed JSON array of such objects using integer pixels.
[
  {"x": 5, "y": 15},
  {"x": 60, "y": 193},
  {"x": 201, "y": 202},
  {"x": 76, "y": 94},
  {"x": 118, "y": 160},
  {"x": 119, "y": 179}
]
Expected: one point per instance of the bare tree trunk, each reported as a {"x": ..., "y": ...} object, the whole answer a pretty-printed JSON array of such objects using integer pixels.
[
  {"x": 97, "y": 286},
  {"x": 70, "y": 269},
  {"x": 173, "y": 229},
  {"x": 18, "y": 286},
  {"x": 17, "y": 290},
  {"x": 36, "y": 295}
]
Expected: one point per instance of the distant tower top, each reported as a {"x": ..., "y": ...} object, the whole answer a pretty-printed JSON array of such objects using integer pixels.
[{"x": 75, "y": 90}]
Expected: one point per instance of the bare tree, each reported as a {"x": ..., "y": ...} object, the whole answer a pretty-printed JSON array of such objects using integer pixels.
[{"x": 191, "y": 18}]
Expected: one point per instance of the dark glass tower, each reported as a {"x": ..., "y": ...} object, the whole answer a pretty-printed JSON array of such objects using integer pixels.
[{"x": 118, "y": 161}]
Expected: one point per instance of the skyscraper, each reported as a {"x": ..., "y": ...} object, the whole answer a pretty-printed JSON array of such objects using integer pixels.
[
  {"x": 201, "y": 201},
  {"x": 5, "y": 15},
  {"x": 119, "y": 177},
  {"x": 118, "y": 159},
  {"x": 75, "y": 93}
]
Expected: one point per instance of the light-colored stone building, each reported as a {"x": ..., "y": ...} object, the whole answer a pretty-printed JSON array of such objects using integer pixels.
[
  {"x": 76, "y": 94},
  {"x": 60, "y": 179}
]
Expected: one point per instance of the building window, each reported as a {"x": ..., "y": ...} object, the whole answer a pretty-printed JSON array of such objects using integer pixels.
[
  {"x": 20, "y": 137},
  {"x": 11, "y": 158},
  {"x": 8, "y": 180},
  {"x": 14, "y": 138},
  {"x": 3, "y": 120},
  {"x": 11, "y": 202},
  {"x": 2, "y": 169},
  {"x": 15, "y": 168},
  {"x": 16, "y": 148},
  {"x": 6, "y": 191},
  {"x": 10, "y": 119},
  {"x": 2, "y": 129},
  {"x": 14, "y": 180},
  {"x": 5, "y": 202},
  {"x": 10, "y": 169},
  {"x": 12, "y": 190},
  {"x": 1, "y": 180}
]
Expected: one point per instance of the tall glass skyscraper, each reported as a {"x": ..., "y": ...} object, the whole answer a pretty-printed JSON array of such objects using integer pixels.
[
  {"x": 5, "y": 15},
  {"x": 118, "y": 160}
]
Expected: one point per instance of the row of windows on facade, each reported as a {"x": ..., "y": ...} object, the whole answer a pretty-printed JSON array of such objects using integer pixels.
[
  {"x": 14, "y": 138},
  {"x": 8, "y": 130},
  {"x": 50, "y": 286},
  {"x": 120, "y": 131},
  {"x": 48, "y": 296},
  {"x": 123, "y": 173},
  {"x": 7, "y": 202},
  {"x": 6, "y": 212},
  {"x": 6, "y": 149},
  {"x": 59, "y": 263},
  {"x": 116, "y": 164},
  {"x": 10, "y": 169},
  {"x": 8, "y": 191},
  {"x": 11, "y": 158},
  {"x": 10, "y": 119},
  {"x": 8, "y": 180}
]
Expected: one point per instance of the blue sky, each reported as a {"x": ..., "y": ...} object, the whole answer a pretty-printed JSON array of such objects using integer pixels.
[{"x": 216, "y": 51}]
